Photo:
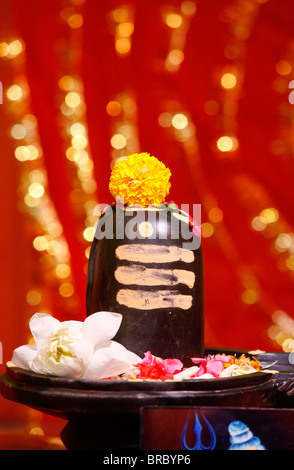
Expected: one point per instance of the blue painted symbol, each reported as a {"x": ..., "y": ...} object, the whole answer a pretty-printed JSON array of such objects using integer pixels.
[
  {"x": 197, "y": 428},
  {"x": 241, "y": 438}
]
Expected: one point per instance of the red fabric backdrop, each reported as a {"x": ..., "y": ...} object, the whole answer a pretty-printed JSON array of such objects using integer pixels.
[{"x": 248, "y": 260}]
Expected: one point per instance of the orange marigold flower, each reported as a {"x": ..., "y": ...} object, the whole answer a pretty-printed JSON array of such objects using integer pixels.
[{"x": 140, "y": 179}]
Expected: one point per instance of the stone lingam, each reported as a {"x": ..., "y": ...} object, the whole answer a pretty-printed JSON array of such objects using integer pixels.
[{"x": 146, "y": 262}]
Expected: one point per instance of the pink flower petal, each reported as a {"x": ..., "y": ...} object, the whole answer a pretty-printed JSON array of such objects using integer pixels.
[
  {"x": 214, "y": 367},
  {"x": 172, "y": 365},
  {"x": 196, "y": 360},
  {"x": 202, "y": 370},
  {"x": 149, "y": 359},
  {"x": 222, "y": 358}
]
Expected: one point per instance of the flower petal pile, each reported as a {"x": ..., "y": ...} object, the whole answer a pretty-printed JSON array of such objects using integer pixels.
[
  {"x": 140, "y": 179},
  {"x": 75, "y": 349},
  {"x": 211, "y": 367},
  {"x": 152, "y": 367}
]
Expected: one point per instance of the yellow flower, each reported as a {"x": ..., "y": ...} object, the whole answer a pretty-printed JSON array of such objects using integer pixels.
[{"x": 140, "y": 179}]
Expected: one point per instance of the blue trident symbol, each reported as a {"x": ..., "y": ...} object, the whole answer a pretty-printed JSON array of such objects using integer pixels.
[{"x": 197, "y": 428}]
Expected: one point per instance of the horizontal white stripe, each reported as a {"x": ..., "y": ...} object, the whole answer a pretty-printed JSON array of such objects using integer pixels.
[
  {"x": 150, "y": 253},
  {"x": 142, "y": 276},
  {"x": 145, "y": 300}
]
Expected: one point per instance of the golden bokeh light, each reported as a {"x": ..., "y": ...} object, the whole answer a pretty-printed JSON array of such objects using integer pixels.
[
  {"x": 30, "y": 121},
  {"x": 77, "y": 129},
  {"x": 80, "y": 156},
  {"x": 269, "y": 215},
  {"x": 120, "y": 15},
  {"x": 62, "y": 270},
  {"x": 22, "y": 153},
  {"x": 37, "y": 176},
  {"x": 37, "y": 431},
  {"x": 12, "y": 49},
  {"x": 118, "y": 141},
  {"x": 72, "y": 99},
  {"x": 15, "y": 47},
  {"x": 283, "y": 242},
  {"x": 257, "y": 224},
  {"x": 179, "y": 121},
  {"x": 30, "y": 201},
  {"x": 67, "y": 83},
  {"x": 188, "y": 7},
  {"x": 87, "y": 252},
  {"x": 15, "y": 93},
  {"x": 125, "y": 29},
  {"x": 18, "y": 132},
  {"x": 33, "y": 297},
  {"x": 36, "y": 190},
  {"x": 174, "y": 59},
  {"x": 165, "y": 119},
  {"x": 173, "y": 20},
  {"x": 227, "y": 144},
  {"x": 113, "y": 108},
  {"x": 34, "y": 152},
  {"x": 290, "y": 262},
  {"x": 75, "y": 21},
  {"x": 228, "y": 80},
  {"x": 283, "y": 67},
  {"x": 41, "y": 243},
  {"x": 250, "y": 296},
  {"x": 89, "y": 233},
  {"x": 4, "y": 49},
  {"x": 123, "y": 45},
  {"x": 79, "y": 142},
  {"x": 207, "y": 230},
  {"x": 215, "y": 214},
  {"x": 66, "y": 289}
]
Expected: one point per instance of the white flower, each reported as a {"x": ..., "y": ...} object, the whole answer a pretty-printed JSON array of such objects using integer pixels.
[
  {"x": 75, "y": 349},
  {"x": 187, "y": 374},
  {"x": 228, "y": 371}
]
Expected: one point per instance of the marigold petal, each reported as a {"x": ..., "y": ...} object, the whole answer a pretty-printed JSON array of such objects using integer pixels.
[{"x": 140, "y": 179}]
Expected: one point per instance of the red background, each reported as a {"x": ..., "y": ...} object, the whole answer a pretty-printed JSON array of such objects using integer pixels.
[{"x": 248, "y": 277}]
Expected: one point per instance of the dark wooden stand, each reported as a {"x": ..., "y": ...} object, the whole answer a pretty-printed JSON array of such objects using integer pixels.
[{"x": 105, "y": 414}]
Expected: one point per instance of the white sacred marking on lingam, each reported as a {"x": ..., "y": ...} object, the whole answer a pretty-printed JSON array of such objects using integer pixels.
[
  {"x": 141, "y": 276},
  {"x": 154, "y": 253},
  {"x": 152, "y": 300}
]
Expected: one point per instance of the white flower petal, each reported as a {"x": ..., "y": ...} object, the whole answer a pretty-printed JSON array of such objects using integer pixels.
[
  {"x": 134, "y": 358},
  {"x": 187, "y": 373},
  {"x": 101, "y": 326},
  {"x": 77, "y": 325},
  {"x": 42, "y": 324},
  {"x": 205, "y": 376},
  {"x": 70, "y": 367},
  {"x": 84, "y": 351},
  {"x": 23, "y": 356},
  {"x": 228, "y": 371},
  {"x": 111, "y": 360}
]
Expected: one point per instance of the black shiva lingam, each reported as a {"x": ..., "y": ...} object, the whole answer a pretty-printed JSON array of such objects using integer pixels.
[{"x": 146, "y": 263}]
